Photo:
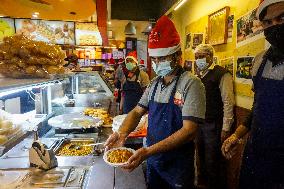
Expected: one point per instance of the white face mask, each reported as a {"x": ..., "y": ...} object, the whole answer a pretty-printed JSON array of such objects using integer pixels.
[
  {"x": 201, "y": 64},
  {"x": 163, "y": 68}
]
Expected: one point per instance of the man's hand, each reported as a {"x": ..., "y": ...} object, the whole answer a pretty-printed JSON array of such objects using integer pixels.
[
  {"x": 115, "y": 140},
  {"x": 224, "y": 135},
  {"x": 136, "y": 159},
  {"x": 229, "y": 147}
]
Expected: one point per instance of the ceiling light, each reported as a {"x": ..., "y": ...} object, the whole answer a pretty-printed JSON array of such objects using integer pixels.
[
  {"x": 35, "y": 16},
  {"x": 180, "y": 3},
  {"x": 109, "y": 22},
  {"x": 1, "y": 16},
  {"x": 149, "y": 27},
  {"x": 130, "y": 29},
  {"x": 36, "y": 13}
]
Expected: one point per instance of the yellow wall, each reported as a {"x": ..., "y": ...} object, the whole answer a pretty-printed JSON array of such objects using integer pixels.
[{"x": 192, "y": 17}]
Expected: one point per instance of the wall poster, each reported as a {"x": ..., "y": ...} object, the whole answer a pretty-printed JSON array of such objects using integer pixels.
[
  {"x": 249, "y": 29},
  {"x": 55, "y": 32},
  {"x": 230, "y": 28},
  {"x": 7, "y": 27},
  {"x": 243, "y": 72},
  {"x": 87, "y": 34},
  {"x": 188, "y": 41},
  {"x": 218, "y": 26},
  {"x": 188, "y": 65},
  {"x": 197, "y": 39}
]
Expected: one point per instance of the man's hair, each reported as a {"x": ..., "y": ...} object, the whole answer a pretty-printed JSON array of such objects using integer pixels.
[
  {"x": 204, "y": 48},
  {"x": 262, "y": 14}
]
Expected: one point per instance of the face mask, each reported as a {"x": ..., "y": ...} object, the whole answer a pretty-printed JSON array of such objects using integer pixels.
[
  {"x": 163, "y": 68},
  {"x": 275, "y": 36},
  {"x": 130, "y": 66},
  {"x": 201, "y": 64}
]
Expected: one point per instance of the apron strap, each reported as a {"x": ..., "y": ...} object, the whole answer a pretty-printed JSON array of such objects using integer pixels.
[
  {"x": 179, "y": 73},
  {"x": 261, "y": 69},
  {"x": 155, "y": 89}
]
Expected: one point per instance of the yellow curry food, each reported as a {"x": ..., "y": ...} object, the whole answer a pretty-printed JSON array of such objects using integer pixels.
[
  {"x": 100, "y": 113},
  {"x": 77, "y": 149},
  {"x": 119, "y": 156}
]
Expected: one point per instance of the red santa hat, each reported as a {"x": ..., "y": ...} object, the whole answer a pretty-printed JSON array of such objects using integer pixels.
[
  {"x": 264, "y": 4},
  {"x": 120, "y": 61},
  {"x": 163, "y": 39},
  {"x": 132, "y": 55},
  {"x": 111, "y": 61}
]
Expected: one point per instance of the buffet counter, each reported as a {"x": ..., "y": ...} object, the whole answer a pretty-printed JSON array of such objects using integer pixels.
[
  {"x": 99, "y": 175},
  {"x": 62, "y": 111}
]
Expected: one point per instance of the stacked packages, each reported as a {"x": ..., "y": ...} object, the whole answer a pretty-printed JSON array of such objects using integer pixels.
[{"x": 24, "y": 58}]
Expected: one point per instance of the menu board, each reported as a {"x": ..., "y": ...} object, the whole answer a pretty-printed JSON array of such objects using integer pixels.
[
  {"x": 55, "y": 32},
  {"x": 88, "y": 34},
  {"x": 7, "y": 27}
]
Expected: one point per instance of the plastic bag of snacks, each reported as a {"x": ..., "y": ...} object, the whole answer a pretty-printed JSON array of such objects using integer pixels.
[{"x": 22, "y": 57}]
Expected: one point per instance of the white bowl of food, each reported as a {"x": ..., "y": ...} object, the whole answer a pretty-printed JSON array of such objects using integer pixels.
[{"x": 117, "y": 157}]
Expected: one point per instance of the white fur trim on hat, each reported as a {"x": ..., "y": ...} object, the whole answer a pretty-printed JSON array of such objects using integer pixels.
[
  {"x": 133, "y": 58},
  {"x": 265, "y": 4},
  {"x": 164, "y": 51}
]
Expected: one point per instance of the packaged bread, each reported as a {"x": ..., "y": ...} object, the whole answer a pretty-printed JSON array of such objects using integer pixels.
[{"x": 22, "y": 57}]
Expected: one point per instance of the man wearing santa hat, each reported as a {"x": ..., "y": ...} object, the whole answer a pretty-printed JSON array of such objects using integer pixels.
[
  {"x": 175, "y": 100},
  {"x": 263, "y": 161},
  {"x": 134, "y": 82}
]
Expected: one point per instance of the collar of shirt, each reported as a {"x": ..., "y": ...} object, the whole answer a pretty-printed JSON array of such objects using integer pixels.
[{"x": 205, "y": 72}]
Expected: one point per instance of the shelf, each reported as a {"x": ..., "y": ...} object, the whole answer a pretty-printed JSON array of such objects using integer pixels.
[{"x": 10, "y": 83}]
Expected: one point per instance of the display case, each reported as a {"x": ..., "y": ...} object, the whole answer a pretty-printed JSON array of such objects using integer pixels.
[
  {"x": 30, "y": 103},
  {"x": 92, "y": 83}
]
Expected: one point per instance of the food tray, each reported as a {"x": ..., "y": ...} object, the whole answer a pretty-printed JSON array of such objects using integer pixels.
[
  {"x": 74, "y": 121},
  {"x": 64, "y": 142}
]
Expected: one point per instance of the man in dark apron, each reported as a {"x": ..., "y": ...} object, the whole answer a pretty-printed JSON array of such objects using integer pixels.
[
  {"x": 263, "y": 162},
  {"x": 175, "y": 101},
  {"x": 133, "y": 84}
]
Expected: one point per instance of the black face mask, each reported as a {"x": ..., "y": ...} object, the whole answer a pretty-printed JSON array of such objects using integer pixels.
[{"x": 275, "y": 36}]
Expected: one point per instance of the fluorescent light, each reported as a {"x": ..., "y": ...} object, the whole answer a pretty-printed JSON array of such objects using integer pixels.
[{"x": 180, "y": 3}]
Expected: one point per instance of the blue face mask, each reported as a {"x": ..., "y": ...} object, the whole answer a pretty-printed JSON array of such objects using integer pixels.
[
  {"x": 163, "y": 68},
  {"x": 201, "y": 64},
  {"x": 130, "y": 66}
]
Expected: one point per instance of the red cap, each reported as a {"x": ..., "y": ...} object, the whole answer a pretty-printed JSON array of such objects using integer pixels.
[
  {"x": 132, "y": 55},
  {"x": 111, "y": 61},
  {"x": 164, "y": 38}
]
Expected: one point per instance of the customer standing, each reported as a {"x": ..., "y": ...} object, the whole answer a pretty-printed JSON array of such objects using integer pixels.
[
  {"x": 175, "y": 101},
  {"x": 219, "y": 117},
  {"x": 263, "y": 159}
]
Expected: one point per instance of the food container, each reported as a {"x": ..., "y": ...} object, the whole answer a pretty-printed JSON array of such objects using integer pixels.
[
  {"x": 107, "y": 153},
  {"x": 74, "y": 147}
]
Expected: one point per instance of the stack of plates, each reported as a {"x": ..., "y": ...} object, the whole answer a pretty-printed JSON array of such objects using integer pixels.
[{"x": 117, "y": 121}]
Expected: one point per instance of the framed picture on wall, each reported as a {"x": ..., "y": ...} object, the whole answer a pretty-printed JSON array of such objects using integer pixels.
[
  {"x": 197, "y": 39},
  {"x": 218, "y": 26},
  {"x": 188, "y": 41}
]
